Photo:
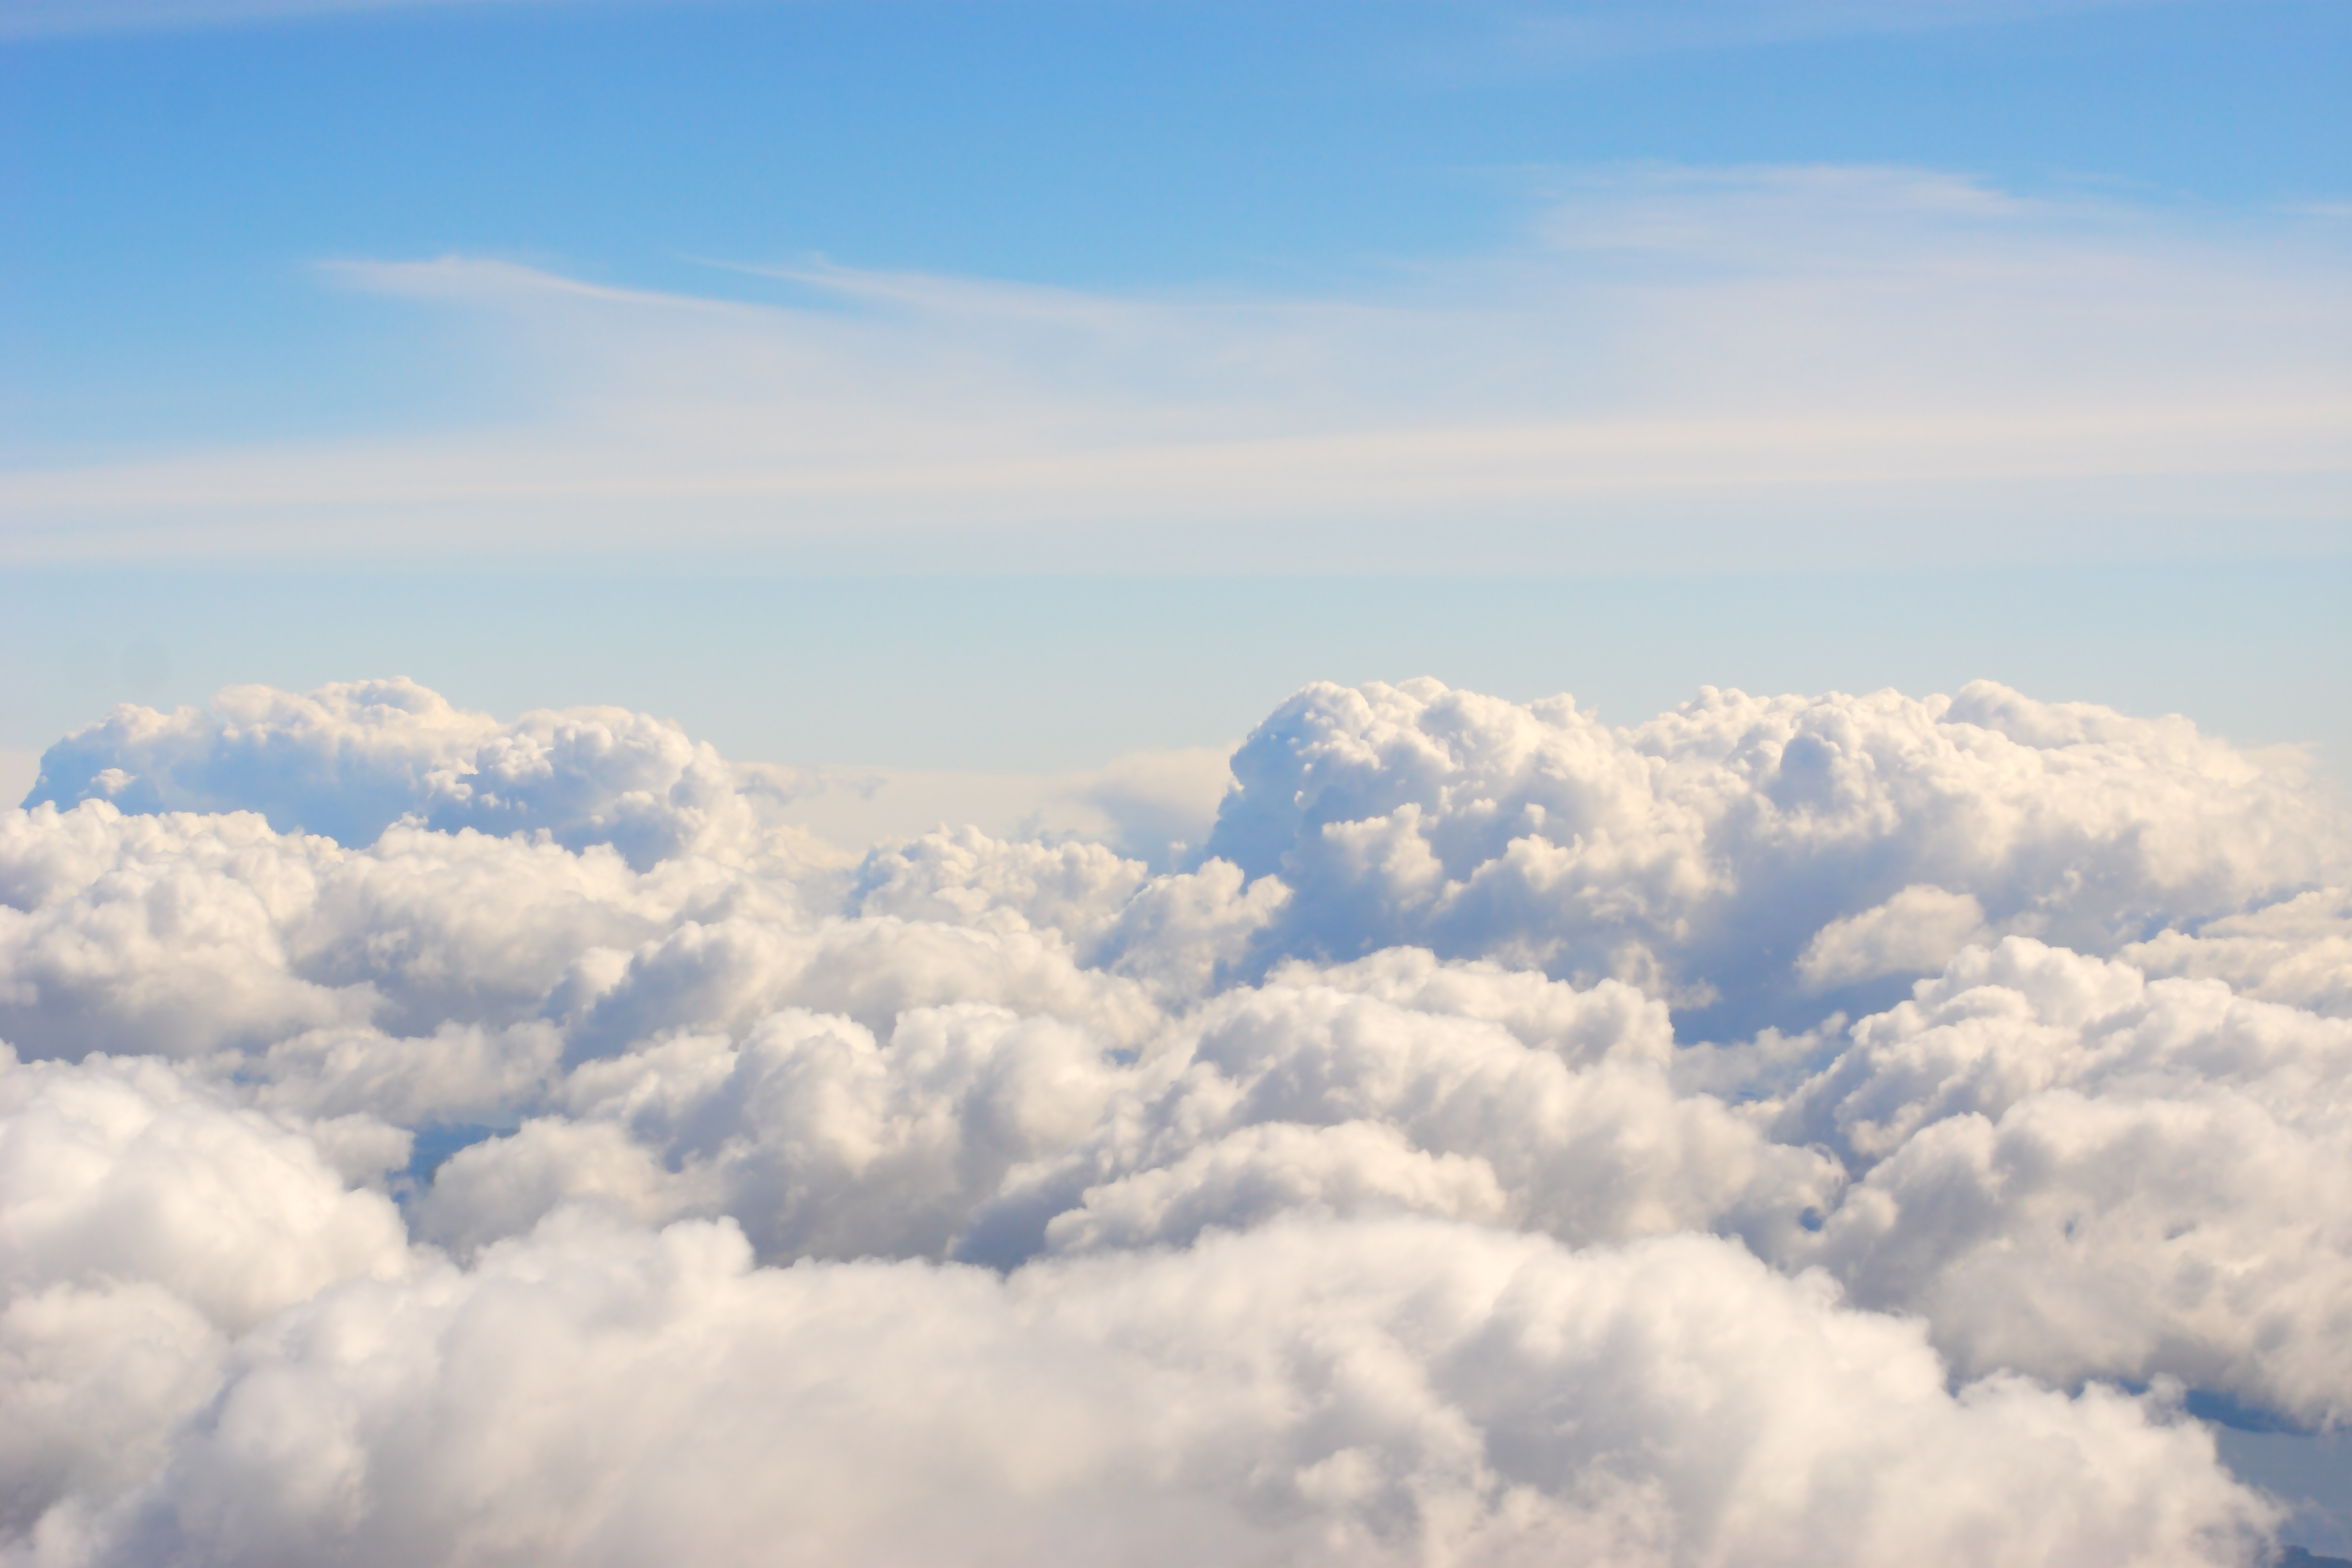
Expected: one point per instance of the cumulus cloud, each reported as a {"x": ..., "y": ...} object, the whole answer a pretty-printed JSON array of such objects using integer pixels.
[
  {"x": 815, "y": 1138},
  {"x": 122, "y": 1169},
  {"x": 349, "y": 760},
  {"x": 1742, "y": 848},
  {"x": 2298, "y": 952},
  {"x": 1178, "y": 933},
  {"x": 1917, "y": 930},
  {"x": 1794, "y": 1129},
  {"x": 145, "y": 1219},
  {"x": 1568, "y": 1122},
  {"x": 2075, "y": 1170},
  {"x": 1307, "y": 1393}
]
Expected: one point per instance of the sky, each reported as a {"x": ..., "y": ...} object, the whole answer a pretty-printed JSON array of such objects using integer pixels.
[
  {"x": 865, "y": 781},
  {"x": 388, "y": 338}
]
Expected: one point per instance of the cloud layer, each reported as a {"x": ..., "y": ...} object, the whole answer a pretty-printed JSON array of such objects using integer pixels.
[
  {"x": 1835, "y": 345},
  {"x": 1792, "y": 1130}
]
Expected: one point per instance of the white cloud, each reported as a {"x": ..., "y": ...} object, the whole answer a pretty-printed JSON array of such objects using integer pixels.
[
  {"x": 2076, "y": 1170},
  {"x": 95, "y": 1382},
  {"x": 1704, "y": 853},
  {"x": 1305, "y": 1394},
  {"x": 2299, "y": 952},
  {"x": 122, "y": 1170},
  {"x": 1809, "y": 350},
  {"x": 731, "y": 974},
  {"x": 1176, "y": 932},
  {"x": 1530, "y": 1103},
  {"x": 144, "y": 1220},
  {"x": 814, "y": 1136},
  {"x": 519, "y": 1177},
  {"x": 1918, "y": 929},
  {"x": 351, "y": 759},
  {"x": 145, "y": 934}
]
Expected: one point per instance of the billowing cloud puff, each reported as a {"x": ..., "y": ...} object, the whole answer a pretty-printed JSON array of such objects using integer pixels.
[
  {"x": 1178, "y": 933},
  {"x": 162, "y": 934},
  {"x": 2076, "y": 1170},
  {"x": 1534, "y": 1103},
  {"x": 812, "y": 1135},
  {"x": 117, "y": 1170},
  {"x": 144, "y": 1220},
  {"x": 1919, "y": 929},
  {"x": 1308, "y": 1393},
  {"x": 1793, "y": 1130},
  {"x": 349, "y": 760},
  {"x": 2298, "y": 952},
  {"x": 1741, "y": 847}
]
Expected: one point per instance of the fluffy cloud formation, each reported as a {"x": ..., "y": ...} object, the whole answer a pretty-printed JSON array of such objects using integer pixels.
[
  {"x": 1304, "y": 1393},
  {"x": 2074, "y": 1169},
  {"x": 432, "y": 1139},
  {"x": 1918, "y": 929},
  {"x": 2298, "y": 952},
  {"x": 1741, "y": 847},
  {"x": 145, "y": 1220},
  {"x": 349, "y": 760},
  {"x": 1396, "y": 1084}
]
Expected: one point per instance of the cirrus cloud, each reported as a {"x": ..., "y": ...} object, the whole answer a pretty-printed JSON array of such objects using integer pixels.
[{"x": 1827, "y": 346}]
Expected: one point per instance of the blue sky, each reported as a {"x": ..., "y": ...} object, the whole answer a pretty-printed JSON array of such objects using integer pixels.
[
  {"x": 175, "y": 190},
  {"x": 2015, "y": 338}
]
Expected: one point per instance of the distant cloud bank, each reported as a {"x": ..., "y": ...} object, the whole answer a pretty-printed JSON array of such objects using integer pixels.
[{"x": 1793, "y": 1130}]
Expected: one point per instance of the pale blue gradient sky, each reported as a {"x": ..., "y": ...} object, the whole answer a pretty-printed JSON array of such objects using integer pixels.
[{"x": 1012, "y": 386}]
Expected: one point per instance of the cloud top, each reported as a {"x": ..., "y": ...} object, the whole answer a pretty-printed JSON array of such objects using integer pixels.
[
  {"x": 1740, "y": 848},
  {"x": 350, "y": 760},
  {"x": 1794, "y": 1129}
]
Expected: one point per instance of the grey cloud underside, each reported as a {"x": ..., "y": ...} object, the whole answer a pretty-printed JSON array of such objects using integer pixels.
[{"x": 1345, "y": 1195}]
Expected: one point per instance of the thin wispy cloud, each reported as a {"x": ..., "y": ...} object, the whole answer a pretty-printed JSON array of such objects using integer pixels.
[{"x": 1772, "y": 357}]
